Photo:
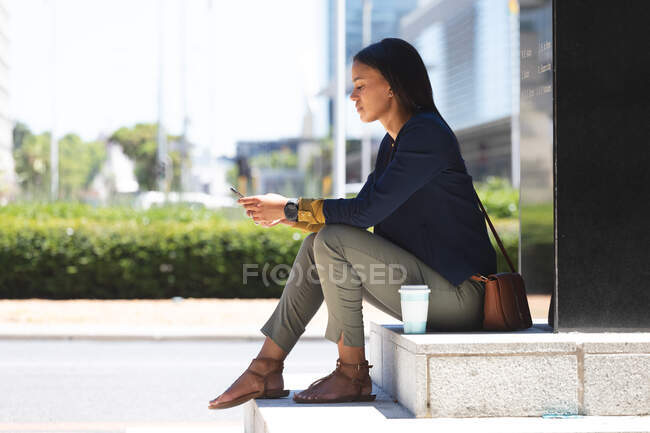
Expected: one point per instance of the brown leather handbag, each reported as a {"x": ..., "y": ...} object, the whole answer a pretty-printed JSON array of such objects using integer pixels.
[{"x": 506, "y": 304}]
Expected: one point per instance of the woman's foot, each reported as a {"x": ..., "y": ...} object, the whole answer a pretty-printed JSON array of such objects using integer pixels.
[
  {"x": 262, "y": 379},
  {"x": 349, "y": 382}
]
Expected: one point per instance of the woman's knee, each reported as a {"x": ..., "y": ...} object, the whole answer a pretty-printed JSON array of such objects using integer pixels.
[
  {"x": 307, "y": 245},
  {"x": 324, "y": 241},
  {"x": 332, "y": 233},
  {"x": 309, "y": 239},
  {"x": 304, "y": 266}
]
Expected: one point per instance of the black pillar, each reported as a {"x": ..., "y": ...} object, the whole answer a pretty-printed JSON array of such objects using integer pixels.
[{"x": 601, "y": 153}]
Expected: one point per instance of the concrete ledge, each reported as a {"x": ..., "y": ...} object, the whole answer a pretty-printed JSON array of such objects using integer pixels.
[
  {"x": 384, "y": 416},
  {"x": 513, "y": 374},
  {"x": 284, "y": 415}
]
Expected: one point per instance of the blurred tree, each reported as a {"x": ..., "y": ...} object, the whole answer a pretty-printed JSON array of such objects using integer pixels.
[
  {"x": 79, "y": 163},
  {"x": 139, "y": 144},
  {"x": 19, "y": 133},
  {"x": 276, "y": 159},
  {"x": 231, "y": 175},
  {"x": 177, "y": 160},
  {"x": 32, "y": 158}
]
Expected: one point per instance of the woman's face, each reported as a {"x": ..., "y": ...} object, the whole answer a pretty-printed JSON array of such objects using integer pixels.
[{"x": 372, "y": 95}]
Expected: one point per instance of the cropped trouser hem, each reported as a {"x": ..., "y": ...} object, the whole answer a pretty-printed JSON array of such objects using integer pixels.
[
  {"x": 283, "y": 338},
  {"x": 353, "y": 336}
]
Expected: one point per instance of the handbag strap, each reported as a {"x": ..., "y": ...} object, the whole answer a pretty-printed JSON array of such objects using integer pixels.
[{"x": 494, "y": 232}]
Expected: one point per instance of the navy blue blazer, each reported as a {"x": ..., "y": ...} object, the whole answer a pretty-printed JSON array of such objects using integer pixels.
[{"x": 421, "y": 198}]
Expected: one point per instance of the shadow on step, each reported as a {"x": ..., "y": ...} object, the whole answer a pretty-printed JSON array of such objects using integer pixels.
[{"x": 384, "y": 404}]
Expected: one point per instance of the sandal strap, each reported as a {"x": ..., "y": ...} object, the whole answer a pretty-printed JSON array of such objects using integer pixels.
[
  {"x": 272, "y": 360},
  {"x": 363, "y": 364},
  {"x": 322, "y": 379},
  {"x": 255, "y": 373},
  {"x": 278, "y": 369},
  {"x": 354, "y": 380}
]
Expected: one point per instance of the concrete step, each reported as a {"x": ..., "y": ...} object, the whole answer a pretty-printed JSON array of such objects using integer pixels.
[
  {"x": 528, "y": 373},
  {"x": 385, "y": 415}
]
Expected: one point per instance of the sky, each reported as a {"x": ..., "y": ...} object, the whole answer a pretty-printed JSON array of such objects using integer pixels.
[{"x": 92, "y": 66}]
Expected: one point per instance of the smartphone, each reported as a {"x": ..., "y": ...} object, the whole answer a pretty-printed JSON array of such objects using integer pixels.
[
  {"x": 240, "y": 195},
  {"x": 237, "y": 192}
]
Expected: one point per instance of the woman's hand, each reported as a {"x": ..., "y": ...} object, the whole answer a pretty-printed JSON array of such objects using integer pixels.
[
  {"x": 276, "y": 222},
  {"x": 265, "y": 209}
]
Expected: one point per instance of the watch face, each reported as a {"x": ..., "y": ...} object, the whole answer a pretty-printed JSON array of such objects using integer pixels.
[{"x": 291, "y": 211}]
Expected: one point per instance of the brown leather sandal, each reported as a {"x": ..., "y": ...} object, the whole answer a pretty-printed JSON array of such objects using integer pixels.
[
  {"x": 264, "y": 393},
  {"x": 361, "y": 378}
]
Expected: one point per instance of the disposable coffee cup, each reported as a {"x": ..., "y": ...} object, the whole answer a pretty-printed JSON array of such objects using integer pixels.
[{"x": 415, "y": 306}]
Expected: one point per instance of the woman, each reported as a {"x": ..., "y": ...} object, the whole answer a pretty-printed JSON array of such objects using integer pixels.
[{"x": 426, "y": 221}]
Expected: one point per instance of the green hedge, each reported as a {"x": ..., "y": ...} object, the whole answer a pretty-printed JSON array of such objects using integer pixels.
[
  {"x": 74, "y": 210},
  {"x": 147, "y": 256},
  {"x": 75, "y": 251},
  {"x": 499, "y": 198},
  {"x": 508, "y": 230}
]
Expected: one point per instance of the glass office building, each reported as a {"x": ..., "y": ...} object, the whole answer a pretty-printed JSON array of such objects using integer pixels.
[
  {"x": 384, "y": 21},
  {"x": 470, "y": 48}
]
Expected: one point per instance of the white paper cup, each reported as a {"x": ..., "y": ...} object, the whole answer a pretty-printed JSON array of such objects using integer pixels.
[{"x": 415, "y": 306}]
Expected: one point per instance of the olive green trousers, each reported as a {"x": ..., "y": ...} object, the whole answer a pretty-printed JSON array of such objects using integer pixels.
[{"x": 342, "y": 265}]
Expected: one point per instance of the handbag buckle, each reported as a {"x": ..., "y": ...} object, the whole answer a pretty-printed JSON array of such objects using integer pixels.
[{"x": 480, "y": 278}]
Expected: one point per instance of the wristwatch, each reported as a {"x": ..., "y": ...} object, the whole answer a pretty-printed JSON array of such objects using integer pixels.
[{"x": 291, "y": 209}]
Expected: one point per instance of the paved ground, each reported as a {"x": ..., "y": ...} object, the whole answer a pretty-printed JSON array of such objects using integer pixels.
[
  {"x": 131, "y": 386},
  {"x": 203, "y": 318},
  {"x": 143, "y": 386}
]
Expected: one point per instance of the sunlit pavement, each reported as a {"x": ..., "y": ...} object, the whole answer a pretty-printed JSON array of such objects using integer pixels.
[
  {"x": 141, "y": 385},
  {"x": 132, "y": 386},
  {"x": 126, "y": 427}
]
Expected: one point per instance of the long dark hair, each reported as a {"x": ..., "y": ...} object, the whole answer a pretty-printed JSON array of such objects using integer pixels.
[{"x": 403, "y": 68}]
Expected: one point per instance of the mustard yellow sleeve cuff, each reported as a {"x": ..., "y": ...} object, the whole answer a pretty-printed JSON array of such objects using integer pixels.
[
  {"x": 306, "y": 226},
  {"x": 310, "y": 210}
]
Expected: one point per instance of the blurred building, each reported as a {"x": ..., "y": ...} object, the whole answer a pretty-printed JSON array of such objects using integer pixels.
[
  {"x": 116, "y": 182},
  {"x": 116, "y": 178},
  {"x": 292, "y": 166},
  {"x": 7, "y": 173},
  {"x": 273, "y": 165},
  {"x": 249, "y": 149},
  {"x": 471, "y": 50},
  {"x": 208, "y": 173},
  {"x": 385, "y": 18},
  {"x": 383, "y": 21}
]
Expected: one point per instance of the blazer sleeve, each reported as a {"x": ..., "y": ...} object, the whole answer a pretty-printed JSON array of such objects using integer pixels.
[
  {"x": 423, "y": 152},
  {"x": 366, "y": 186}
]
